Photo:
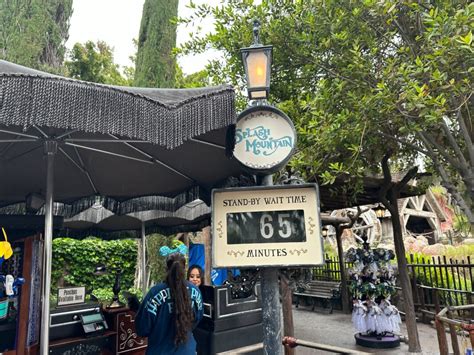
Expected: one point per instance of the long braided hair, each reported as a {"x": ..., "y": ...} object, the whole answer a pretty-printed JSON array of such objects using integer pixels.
[{"x": 182, "y": 313}]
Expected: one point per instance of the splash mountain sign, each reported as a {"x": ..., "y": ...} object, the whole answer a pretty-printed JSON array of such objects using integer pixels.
[{"x": 265, "y": 139}]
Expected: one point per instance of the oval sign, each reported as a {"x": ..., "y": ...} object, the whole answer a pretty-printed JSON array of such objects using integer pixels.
[{"x": 265, "y": 139}]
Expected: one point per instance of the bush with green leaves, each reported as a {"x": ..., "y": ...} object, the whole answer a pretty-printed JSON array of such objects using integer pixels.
[
  {"x": 74, "y": 262},
  {"x": 455, "y": 278},
  {"x": 157, "y": 263}
]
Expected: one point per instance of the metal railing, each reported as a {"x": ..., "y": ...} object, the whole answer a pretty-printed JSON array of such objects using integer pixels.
[{"x": 293, "y": 342}]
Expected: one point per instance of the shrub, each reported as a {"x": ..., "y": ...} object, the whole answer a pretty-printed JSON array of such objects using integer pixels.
[{"x": 74, "y": 262}]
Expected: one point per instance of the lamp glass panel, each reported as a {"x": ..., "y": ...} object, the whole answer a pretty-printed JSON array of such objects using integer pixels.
[
  {"x": 380, "y": 213},
  {"x": 257, "y": 69}
]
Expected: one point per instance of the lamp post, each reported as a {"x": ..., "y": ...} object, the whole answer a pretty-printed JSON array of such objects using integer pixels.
[{"x": 257, "y": 62}]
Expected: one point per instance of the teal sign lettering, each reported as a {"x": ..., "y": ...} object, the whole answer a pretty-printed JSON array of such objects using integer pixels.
[{"x": 259, "y": 140}]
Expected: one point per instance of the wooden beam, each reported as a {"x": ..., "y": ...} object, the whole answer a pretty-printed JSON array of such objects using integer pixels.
[
  {"x": 418, "y": 213},
  {"x": 327, "y": 219},
  {"x": 206, "y": 240}
]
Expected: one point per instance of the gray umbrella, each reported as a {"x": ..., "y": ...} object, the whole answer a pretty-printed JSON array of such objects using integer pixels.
[
  {"x": 113, "y": 141},
  {"x": 99, "y": 221}
]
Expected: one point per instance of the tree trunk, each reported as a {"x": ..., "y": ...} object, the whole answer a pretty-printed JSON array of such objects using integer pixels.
[
  {"x": 137, "y": 282},
  {"x": 206, "y": 240},
  {"x": 410, "y": 316},
  {"x": 389, "y": 194},
  {"x": 342, "y": 267}
]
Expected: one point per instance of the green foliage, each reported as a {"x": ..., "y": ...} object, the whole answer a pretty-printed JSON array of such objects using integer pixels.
[
  {"x": 156, "y": 65},
  {"x": 442, "y": 278},
  {"x": 359, "y": 78},
  {"x": 462, "y": 225},
  {"x": 33, "y": 33},
  {"x": 156, "y": 263},
  {"x": 438, "y": 190},
  {"x": 94, "y": 62},
  {"x": 461, "y": 252},
  {"x": 329, "y": 250},
  {"x": 105, "y": 295},
  {"x": 195, "y": 80},
  {"x": 74, "y": 262}
]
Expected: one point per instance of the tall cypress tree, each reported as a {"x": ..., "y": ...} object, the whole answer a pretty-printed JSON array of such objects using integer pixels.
[
  {"x": 33, "y": 33},
  {"x": 156, "y": 65}
]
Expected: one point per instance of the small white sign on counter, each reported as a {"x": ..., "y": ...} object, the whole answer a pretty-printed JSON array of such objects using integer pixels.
[{"x": 71, "y": 295}]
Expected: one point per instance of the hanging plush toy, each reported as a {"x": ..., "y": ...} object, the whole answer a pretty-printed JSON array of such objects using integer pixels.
[{"x": 6, "y": 250}]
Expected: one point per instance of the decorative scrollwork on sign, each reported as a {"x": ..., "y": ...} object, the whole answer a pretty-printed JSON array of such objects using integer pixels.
[
  {"x": 235, "y": 253},
  {"x": 128, "y": 338},
  {"x": 298, "y": 251},
  {"x": 243, "y": 285},
  {"x": 311, "y": 225},
  {"x": 219, "y": 229}
]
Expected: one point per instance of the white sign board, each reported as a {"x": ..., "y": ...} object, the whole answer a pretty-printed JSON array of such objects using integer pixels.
[
  {"x": 265, "y": 139},
  {"x": 71, "y": 295},
  {"x": 266, "y": 226}
]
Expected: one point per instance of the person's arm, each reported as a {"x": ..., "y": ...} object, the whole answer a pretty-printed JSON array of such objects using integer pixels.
[
  {"x": 146, "y": 315},
  {"x": 198, "y": 307}
]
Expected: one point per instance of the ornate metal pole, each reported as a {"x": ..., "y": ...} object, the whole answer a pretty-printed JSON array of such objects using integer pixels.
[{"x": 271, "y": 308}]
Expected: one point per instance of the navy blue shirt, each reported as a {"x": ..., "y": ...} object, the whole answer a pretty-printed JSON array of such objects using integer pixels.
[{"x": 154, "y": 320}]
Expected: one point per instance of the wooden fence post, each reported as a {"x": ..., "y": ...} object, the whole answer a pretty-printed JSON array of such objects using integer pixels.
[
  {"x": 442, "y": 340},
  {"x": 454, "y": 337}
]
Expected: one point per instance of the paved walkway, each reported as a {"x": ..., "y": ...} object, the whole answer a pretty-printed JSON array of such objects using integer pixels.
[{"x": 336, "y": 329}]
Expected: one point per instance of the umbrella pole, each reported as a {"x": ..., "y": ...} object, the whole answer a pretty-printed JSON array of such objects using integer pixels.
[
  {"x": 50, "y": 151},
  {"x": 143, "y": 261}
]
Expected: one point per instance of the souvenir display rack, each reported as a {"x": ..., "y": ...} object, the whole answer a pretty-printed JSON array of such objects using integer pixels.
[{"x": 376, "y": 320}]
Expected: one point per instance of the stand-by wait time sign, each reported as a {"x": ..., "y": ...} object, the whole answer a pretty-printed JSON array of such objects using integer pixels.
[{"x": 266, "y": 226}]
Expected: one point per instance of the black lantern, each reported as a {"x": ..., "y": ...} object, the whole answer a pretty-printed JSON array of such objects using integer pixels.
[
  {"x": 379, "y": 211},
  {"x": 101, "y": 269},
  {"x": 257, "y": 61}
]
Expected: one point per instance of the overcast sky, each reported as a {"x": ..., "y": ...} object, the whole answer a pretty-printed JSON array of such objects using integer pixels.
[{"x": 117, "y": 22}]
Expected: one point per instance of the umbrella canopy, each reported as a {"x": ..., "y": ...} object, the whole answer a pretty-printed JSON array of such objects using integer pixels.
[
  {"x": 114, "y": 141},
  {"x": 99, "y": 221},
  {"x": 104, "y": 140}
]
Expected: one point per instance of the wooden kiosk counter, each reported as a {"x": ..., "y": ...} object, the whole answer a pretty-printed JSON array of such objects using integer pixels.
[{"x": 20, "y": 318}]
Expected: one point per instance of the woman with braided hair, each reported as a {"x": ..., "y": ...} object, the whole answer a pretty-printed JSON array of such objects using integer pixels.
[{"x": 170, "y": 311}]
